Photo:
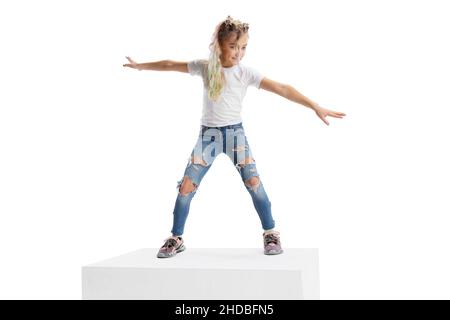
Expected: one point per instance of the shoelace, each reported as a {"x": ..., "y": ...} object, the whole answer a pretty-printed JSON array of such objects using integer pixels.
[
  {"x": 170, "y": 243},
  {"x": 271, "y": 238}
]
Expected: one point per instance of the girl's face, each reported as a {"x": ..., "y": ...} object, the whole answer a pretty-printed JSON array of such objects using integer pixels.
[{"x": 233, "y": 51}]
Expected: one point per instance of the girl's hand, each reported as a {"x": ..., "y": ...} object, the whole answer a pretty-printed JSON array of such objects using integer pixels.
[
  {"x": 132, "y": 64},
  {"x": 322, "y": 113}
]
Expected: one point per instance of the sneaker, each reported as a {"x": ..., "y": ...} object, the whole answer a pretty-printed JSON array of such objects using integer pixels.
[
  {"x": 272, "y": 243},
  {"x": 171, "y": 247}
]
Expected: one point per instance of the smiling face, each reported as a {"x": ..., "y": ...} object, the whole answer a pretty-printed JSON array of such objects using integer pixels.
[{"x": 233, "y": 49}]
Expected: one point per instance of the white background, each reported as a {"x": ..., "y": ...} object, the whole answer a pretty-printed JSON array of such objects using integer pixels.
[{"x": 91, "y": 152}]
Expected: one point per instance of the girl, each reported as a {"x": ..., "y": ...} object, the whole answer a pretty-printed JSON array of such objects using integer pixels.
[{"x": 225, "y": 81}]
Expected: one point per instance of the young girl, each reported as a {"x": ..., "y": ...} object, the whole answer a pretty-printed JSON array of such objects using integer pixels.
[{"x": 225, "y": 81}]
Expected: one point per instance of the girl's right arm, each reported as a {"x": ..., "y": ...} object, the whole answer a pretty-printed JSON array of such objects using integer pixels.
[{"x": 163, "y": 65}]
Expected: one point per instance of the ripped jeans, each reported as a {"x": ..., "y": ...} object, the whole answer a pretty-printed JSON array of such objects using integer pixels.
[{"x": 211, "y": 142}]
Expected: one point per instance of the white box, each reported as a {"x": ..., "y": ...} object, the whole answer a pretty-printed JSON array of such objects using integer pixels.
[{"x": 205, "y": 274}]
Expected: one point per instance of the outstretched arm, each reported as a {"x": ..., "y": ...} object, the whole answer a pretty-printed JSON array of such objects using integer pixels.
[
  {"x": 289, "y": 92},
  {"x": 163, "y": 65}
]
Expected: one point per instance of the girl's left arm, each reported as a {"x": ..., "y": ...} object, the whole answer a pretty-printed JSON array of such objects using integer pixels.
[{"x": 290, "y": 93}]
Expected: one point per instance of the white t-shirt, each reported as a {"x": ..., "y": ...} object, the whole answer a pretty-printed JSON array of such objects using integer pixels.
[{"x": 227, "y": 109}]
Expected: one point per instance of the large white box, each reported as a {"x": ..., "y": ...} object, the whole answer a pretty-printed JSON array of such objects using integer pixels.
[{"x": 205, "y": 274}]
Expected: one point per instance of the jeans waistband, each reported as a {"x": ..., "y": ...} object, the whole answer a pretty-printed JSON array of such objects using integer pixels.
[{"x": 231, "y": 126}]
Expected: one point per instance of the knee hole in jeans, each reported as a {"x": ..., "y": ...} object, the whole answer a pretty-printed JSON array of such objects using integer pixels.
[
  {"x": 252, "y": 182},
  {"x": 187, "y": 186}
]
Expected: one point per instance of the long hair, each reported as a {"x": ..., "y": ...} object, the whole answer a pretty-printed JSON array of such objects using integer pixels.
[{"x": 215, "y": 75}]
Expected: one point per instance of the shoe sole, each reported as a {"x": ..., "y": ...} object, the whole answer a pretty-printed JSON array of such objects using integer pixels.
[
  {"x": 180, "y": 249},
  {"x": 272, "y": 253}
]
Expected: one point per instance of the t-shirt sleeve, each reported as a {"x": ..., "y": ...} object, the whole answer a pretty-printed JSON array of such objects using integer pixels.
[
  {"x": 254, "y": 77},
  {"x": 195, "y": 67}
]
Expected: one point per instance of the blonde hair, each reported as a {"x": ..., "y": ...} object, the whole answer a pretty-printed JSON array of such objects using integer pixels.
[{"x": 215, "y": 77}]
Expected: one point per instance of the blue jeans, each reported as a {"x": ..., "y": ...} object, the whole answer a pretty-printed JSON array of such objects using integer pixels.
[{"x": 211, "y": 142}]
